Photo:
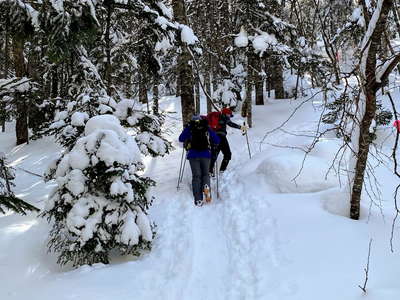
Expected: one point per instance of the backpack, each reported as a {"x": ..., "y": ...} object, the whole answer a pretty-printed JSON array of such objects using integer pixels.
[
  {"x": 213, "y": 120},
  {"x": 200, "y": 139}
]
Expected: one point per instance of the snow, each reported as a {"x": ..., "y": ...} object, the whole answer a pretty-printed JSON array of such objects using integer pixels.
[
  {"x": 130, "y": 231},
  {"x": 358, "y": 17},
  {"x": 164, "y": 45},
  {"x": 11, "y": 85},
  {"x": 74, "y": 182},
  {"x": 187, "y": 35},
  {"x": 281, "y": 172},
  {"x": 79, "y": 119},
  {"x": 163, "y": 22},
  {"x": 165, "y": 10},
  {"x": 148, "y": 141},
  {"x": 242, "y": 39},
  {"x": 144, "y": 226},
  {"x": 263, "y": 41},
  {"x": 267, "y": 237},
  {"x": 383, "y": 68},
  {"x": 124, "y": 111},
  {"x": 107, "y": 122}
]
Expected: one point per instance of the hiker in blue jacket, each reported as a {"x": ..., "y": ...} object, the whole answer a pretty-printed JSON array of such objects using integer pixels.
[{"x": 198, "y": 138}]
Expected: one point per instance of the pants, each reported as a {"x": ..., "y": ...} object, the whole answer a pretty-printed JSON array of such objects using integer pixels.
[
  {"x": 200, "y": 176},
  {"x": 226, "y": 151}
]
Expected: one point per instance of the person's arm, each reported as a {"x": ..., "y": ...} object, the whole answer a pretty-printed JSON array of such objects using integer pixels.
[
  {"x": 184, "y": 135},
  {"x": 231, "y": 124},
  {"x": 243, "y": 128}
]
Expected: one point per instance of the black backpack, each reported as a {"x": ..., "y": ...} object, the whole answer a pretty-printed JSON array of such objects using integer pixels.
[{"x": 200, "y": 137}]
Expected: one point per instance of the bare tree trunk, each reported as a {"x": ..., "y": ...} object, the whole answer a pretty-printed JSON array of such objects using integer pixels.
[
  {"x": 21, "y": 126},
  {"x": 108, "y": 70},
  {"x": 277, "y": 80},
  {"x": 143, "y": 97},
  {"x": 185, "y": 73},
  {"x": 247, "y": 105},
  {"x": 54, "y": 82},
  {"x": 197, "y": 88},
  {"x": 5, "y": 71},
  {"x": 207, "y": 83},
  {"x": 6, "y": 50},
  {"x": 362, "y": 155},
  {"x": 156, "y": 97},
  {"x": 259, "y": 83}
]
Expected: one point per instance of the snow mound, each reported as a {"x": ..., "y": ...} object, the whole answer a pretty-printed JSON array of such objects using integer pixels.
[
  {"x": 281, "y": 170},
  {"x": 336, "y": 202}
]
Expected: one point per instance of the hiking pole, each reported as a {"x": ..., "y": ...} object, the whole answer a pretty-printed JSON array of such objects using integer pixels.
[
  {"x": 180, "y": 169},
  {"x": 217, "y": 175},
  {"x": 247, "y": 140},
  {"x": 181, "y": 176}
]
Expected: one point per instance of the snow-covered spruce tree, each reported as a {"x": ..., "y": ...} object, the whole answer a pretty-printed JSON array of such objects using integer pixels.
[
  {"x": 93, "y": 100},
  {"x": 8, "y": 201},
  {"x": 90, "y": 83},
  {"x": 146, "y": 126},
  {"x": 87, "y": 98},
  {"x": 228, "y": 93},
  {"x": 100, "y": 202}
]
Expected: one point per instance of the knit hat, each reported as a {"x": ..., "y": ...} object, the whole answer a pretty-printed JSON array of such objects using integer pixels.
[{"x": 226, "y": 111}]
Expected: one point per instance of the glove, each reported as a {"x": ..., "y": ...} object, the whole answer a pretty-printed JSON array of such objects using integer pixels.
[{"x": 244, "y": 129}]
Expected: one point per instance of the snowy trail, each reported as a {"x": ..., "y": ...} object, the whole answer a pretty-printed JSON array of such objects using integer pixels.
[
  {"x": 256, "y": 262},
  {"x": 198, "y": 264},
  {"x": 210, "y": 264}
]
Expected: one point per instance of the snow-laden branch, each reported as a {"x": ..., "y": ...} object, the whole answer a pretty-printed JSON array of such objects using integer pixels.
[{"x": 14, "y": 84}]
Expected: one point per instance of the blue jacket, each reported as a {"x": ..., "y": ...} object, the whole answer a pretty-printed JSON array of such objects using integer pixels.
[{"x": 186, "y": 134}]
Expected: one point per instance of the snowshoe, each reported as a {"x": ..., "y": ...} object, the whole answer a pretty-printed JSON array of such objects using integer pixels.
[{"x": 198, "y": 202}]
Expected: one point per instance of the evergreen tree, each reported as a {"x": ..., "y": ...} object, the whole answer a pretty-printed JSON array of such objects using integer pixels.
[
  {"x": 8, "y": 201},
  {"x": 100, "y": 202}
]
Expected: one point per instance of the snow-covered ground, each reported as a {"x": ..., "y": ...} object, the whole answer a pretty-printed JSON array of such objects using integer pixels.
[{"x": 268, "y": 236}]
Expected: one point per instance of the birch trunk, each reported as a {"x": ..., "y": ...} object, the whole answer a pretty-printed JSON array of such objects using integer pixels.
[{"x": 368, "y": 109}]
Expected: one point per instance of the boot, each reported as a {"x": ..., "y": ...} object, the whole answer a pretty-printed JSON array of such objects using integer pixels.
[{"x": 207, "y": 193}]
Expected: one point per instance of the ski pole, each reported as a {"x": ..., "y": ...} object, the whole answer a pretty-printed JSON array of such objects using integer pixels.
[
  {"x": 247, "y": 140},
  {"x": 180, "y": 169}
]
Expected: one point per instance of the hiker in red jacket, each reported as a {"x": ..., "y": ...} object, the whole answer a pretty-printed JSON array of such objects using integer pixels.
[{"x": 218, "y": 122}]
